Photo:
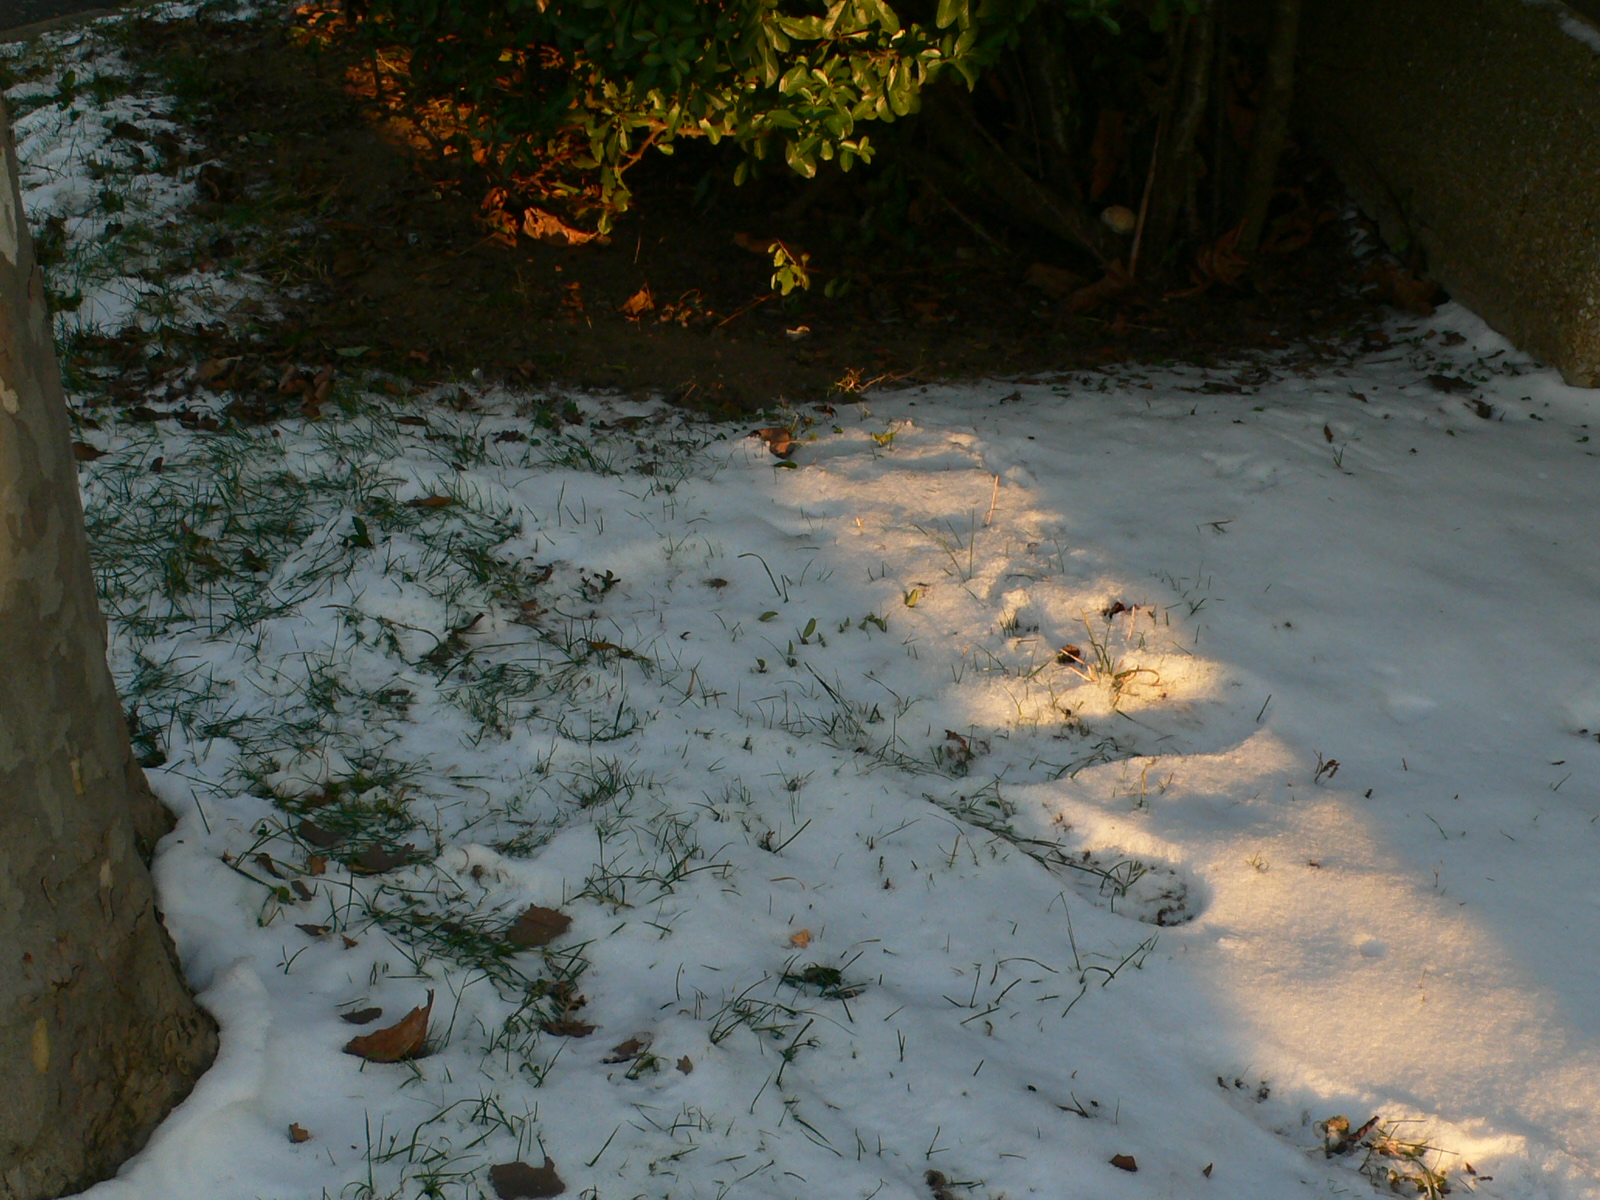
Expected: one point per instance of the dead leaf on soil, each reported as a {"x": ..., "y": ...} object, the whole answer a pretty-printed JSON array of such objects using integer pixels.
[
  {"x": 1401, "y": 288},
  {"x": 362, "y": 1016},
  {"x": 404, "y": 1039},
  {"x": 1124, "y": 1162},
  {"x": 1114, "y": 282},
  {"x": 778, "y": 439},
  {"x": 547, "y": 227},
  {"x": 519, "y": 1181},
  {"x": 636, "y": 305},
  {"x": 1055, "y": 280},
  {"x": 298, "y": 1132},
  {"x": 538, "y": 926}
]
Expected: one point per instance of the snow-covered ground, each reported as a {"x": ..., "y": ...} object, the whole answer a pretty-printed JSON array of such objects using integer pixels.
[{"x": 1023, "y": 775}]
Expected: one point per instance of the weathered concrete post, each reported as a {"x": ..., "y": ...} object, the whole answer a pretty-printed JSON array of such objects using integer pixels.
[
  {"x": 99, "y": 1037},
  {"x": 1472, "y": 129}
]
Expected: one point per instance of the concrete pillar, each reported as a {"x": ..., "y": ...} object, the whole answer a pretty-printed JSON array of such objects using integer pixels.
[{"x": 1471, "y": 128}]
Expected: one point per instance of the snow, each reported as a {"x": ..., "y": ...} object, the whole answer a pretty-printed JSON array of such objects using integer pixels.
[{"x": 1346, "y": 727}]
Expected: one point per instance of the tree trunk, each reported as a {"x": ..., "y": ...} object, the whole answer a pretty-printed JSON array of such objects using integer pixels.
[
  {"x": 99, "y": 1036},
  {"x": 1272, "y": 122}
]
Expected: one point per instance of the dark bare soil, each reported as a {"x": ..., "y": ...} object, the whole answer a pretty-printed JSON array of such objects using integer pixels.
[{"x": 384, "y": 251}]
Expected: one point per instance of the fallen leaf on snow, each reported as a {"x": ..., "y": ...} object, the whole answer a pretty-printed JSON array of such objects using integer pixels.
[
  {"x": 429, "y": 502},
  {"x": 627, "y": 1051},
  {"x": 778, "y": 439},
  {"x": 362, "y": 1016},
  {"x": 375, "y": 860},
  {"x": 298, "y": 1132},
  {"x": 315, "y": 930},
  {"x": 519, "y": 1181},
  {"x": 538, "y": 926},
  {"x": 567, "y": 1027},
  {"x": 1124, "y": 1162},
  {"x": 800, "y": 938},
  {"x": 317, "y": 835},
  {"x": 404, "y": 1039},
  {"x": 685, "y": 1065},
  {"x": 84, "y": 452}
]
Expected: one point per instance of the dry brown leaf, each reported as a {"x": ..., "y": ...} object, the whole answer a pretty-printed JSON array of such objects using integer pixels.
[
  {"x": 317, "y": 864},
  {"x": 519, "y": 1181},
  {"x": 538, "y": 926},
  {"x": 1055, "y": 280},
  {"x": 318, "y": 836},
  {"x": 315, "y": 930},
  {"x": 429, "y": 502},
  {"x": 800, "y": 938},
  {"x": 375, "y": 860},
  {"x": 567, "y": 1027},
  {"x": 84, "y": 452},
  {"x": 627, "y": 1051},
  {"x": 547, "y": 227},
  {"x": 404, "y": 1039},
  {"x": 362, "y": 1016},
  {"x": 1124, "y": 1162},
  {"x": 639, "y": 303},
  {"x": 686, "y": 1065},
  {"x": 1115, "y": 281},
  {"x": 301, "y": 890},
  {"x": 779, "y": 439},
  {"x": 1403, "y": 289},
  {"x": 298, "y": 1133}
]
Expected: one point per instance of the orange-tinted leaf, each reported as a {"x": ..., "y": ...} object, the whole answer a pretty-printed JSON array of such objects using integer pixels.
[
  {"x": 1124, "y": 1162},
  {"x": 538, "y": 926},
  {"x": 800, "y": 938},
  {"x": 778, "y": 439},
  {"x": 639, "y": 303},
  {"x": 430, "y": 502},
  {"x": 404, "y": 1039},
  {"x": 298, "y": 1132}
]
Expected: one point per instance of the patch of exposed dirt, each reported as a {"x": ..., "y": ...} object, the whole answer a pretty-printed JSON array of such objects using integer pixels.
[{"x": 382, "y": 252}]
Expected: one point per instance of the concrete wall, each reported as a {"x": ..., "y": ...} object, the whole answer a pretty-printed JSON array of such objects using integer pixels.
[{"x": 1472, "y": 127}]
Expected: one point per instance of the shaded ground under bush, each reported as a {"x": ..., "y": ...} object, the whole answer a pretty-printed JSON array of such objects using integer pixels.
[{"x": 383, "y": 251}]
